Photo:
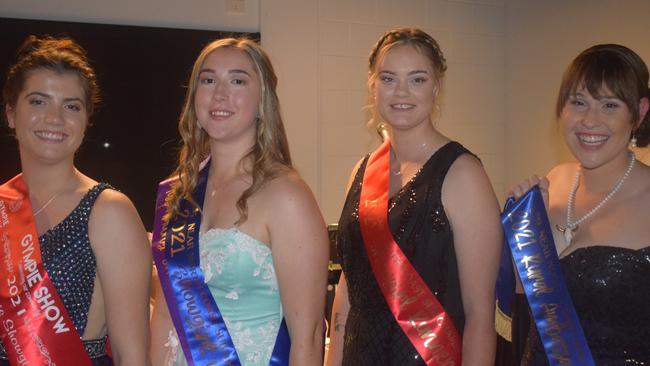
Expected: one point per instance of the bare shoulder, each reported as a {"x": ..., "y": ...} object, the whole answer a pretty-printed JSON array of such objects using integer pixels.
[
  {"x": 114, "y": 214},
  {"x": 285, "y": 191},
  {"x": 562, "y": 171},
  {"x": 641, "y": 182},
  {"x": 112, "y": 202},
  {"x": 466, "y": 170},
  {"x": 467, "y": 184}
]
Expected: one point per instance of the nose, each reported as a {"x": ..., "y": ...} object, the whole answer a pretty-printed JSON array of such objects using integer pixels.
[
  {"x": 54, "y": 115},
  {"x": 220, "y": 92},
  {"x": 401, "y": 88},
  {"x": 589, "y": 118}
]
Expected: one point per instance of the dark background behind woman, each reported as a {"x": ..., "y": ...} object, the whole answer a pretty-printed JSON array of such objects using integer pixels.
[{"x": 142, "y": 72}]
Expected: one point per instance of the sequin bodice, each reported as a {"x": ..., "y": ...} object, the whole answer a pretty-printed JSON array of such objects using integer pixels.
[
  {"x": 69, "y": 259},
  {"x": 610, "y": 289},
  {"x": 420, "y": 226}
]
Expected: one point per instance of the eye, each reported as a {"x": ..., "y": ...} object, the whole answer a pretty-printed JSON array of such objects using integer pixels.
[
  {"x": 419, "y": 80},
  {"x": 238, "y": 82},
  {"x": 75, "y": 107},
  {"x": 386, "y": 79},
  {"x": 576, "y": 102},
  {"x": 206, "y": 80},
  {"x": 610, "y": 105},
  {"x": 36, "y": 101}
]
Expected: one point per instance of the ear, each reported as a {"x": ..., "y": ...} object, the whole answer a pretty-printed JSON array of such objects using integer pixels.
[
  {"x": 644, "y": 105},
  {"x": 11, "y": 116}
]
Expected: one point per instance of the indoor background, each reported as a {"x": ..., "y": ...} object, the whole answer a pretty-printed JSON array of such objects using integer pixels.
[{"x": 505, "y": 60}]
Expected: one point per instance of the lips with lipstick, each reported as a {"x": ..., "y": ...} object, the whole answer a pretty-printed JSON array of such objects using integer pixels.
[
  {"x": 402, "y": 106},
  {"x": 591, "y": 139}
]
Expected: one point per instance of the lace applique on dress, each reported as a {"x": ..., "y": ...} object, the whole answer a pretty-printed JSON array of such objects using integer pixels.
[
  {"x": 173, "y": 344},
  {"x": 240, "y": 274}
]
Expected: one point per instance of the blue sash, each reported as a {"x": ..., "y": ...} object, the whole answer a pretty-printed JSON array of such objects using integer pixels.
[
  {"x": 529, "y": 236},
  {"x": 199, "y": 324}
]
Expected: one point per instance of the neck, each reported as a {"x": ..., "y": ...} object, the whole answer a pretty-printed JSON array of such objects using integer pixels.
[
  {"x": 226, "y": 160},
  {"x": 44, "y": 180},
  {"x": 602, "y": 179},
  {"x": 415, "y": 145}
]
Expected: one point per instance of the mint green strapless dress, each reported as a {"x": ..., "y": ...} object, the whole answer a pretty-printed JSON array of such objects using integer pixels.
[{"x": 240, "y": 274}]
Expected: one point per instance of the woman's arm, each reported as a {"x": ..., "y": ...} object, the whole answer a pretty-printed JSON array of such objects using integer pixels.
[
  {"x": 120, "y": 244},
  {"x": 299, "y": 244},
  {"x": 474, "y": 217},
  {"x": 341, "y": 305},
  {"x": 161, "y": 324},
  {"x": 340, "y": 309}
]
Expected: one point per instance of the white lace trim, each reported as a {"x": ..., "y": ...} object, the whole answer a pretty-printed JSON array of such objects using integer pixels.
[{"x": 213, "y": 259}]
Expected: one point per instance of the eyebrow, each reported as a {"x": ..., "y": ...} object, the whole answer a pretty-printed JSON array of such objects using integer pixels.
[
  {"x": 44, "y": 95},
  {"x": 581, "y": 94},
  {"x": 410, "y": 73},
  {"x": 233, "y": 71}
]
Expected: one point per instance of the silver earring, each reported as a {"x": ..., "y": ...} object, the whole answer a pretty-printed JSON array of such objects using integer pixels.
[{"x": 633, "y": 142}]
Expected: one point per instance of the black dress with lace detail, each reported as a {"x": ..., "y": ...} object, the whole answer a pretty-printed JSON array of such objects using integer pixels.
[
  {"x": 71, "y": 266},
  {"x": 610, "y": 290},
  {"x": 420, "y": 227}
]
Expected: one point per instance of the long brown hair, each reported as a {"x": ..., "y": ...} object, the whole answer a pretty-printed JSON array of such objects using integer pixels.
[{"x": 269, "y": 156}]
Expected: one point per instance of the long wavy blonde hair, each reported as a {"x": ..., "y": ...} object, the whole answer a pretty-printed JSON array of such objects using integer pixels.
[{"x": 269, "y": 156}]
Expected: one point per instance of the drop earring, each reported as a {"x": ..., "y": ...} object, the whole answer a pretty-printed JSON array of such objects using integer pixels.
[{"x": 633, "y": 142}]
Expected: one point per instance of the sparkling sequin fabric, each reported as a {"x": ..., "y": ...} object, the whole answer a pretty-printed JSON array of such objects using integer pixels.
[
  {"x": 419, "y": 225},
  {"x": 610, "y": 289},
  {"x": 70, "y": 263}
]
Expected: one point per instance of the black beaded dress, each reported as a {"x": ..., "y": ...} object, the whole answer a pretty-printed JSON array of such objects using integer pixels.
[
  {"x": 420, "y": 227},
  {"x": 610, "y": 290},
  {"x": 71, "y": 265}
]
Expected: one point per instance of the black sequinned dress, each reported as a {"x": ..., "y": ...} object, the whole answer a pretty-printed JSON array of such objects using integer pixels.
[
  {"x": 610, "y": 289},
  {"x": 420, "y": 226},
  {"x": 70, "y": 263}
]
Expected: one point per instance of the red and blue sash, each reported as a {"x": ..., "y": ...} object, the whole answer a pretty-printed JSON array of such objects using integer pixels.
[
  {"x": 530, "y": 240},
  {"x": 199, "y": 324},
  {"x": 415, "y": 308},
  {"x": 34, "y": 324}
]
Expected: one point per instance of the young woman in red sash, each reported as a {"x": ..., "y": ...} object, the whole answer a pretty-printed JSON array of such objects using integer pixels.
[
  {"x": 260, "y": 241},
  {"x": 75, "y": 266},
  {"x": 599, "y": 206},
  {"x": 419, "y": 235}
]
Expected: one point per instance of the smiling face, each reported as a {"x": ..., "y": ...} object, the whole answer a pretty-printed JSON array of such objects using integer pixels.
[
  {"x": 597, "y": 130},
  {"x": 404, "y": 88},
  {"x": 49, "y": 116},
  {"x": 227, "y": 96}
]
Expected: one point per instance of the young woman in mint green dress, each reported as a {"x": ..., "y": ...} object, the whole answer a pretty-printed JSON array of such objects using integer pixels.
[{"x": 262, "y": 242}]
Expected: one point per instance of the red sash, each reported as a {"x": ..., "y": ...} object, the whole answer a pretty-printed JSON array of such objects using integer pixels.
[
  {"x": 414, "y": 306},
  {"x": 34, "y": 324}
]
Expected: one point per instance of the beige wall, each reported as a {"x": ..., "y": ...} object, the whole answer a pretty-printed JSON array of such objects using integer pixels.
[
  {"x": 542, "y": 39},
  {"x": 190, "y": 14},
  {"x": 505, "y": 61},
  {"x": 320, "y": 50}
]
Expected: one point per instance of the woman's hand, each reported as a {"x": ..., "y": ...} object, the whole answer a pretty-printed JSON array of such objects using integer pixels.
[{"x": 525, "y": 185}]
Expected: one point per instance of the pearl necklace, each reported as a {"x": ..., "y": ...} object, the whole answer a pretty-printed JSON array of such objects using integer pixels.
[{"x": 572, "y": 227}]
